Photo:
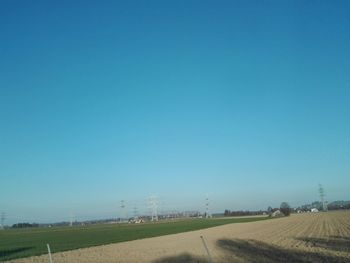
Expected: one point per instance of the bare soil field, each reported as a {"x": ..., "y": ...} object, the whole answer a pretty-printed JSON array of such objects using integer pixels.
[{"x": 318, "y": 237}]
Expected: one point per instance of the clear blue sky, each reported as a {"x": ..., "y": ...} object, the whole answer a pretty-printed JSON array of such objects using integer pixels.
[{"x": 246, "y": 101}]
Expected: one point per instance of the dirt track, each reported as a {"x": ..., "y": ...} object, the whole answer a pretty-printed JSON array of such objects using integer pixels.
[{"x": 321, "y": 237}]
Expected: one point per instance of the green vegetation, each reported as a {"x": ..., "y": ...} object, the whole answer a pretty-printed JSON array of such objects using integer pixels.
[{"x": 17, "y": 243}]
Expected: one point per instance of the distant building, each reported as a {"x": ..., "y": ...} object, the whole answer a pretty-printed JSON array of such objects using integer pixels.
[{"x": 277, "y": 213}]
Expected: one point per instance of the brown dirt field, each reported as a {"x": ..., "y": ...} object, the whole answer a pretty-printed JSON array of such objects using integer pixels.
[{"x": 319, "y": 237}]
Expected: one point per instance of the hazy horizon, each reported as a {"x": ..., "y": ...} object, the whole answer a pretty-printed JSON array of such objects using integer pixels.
[{"x": 247, "y": 102}]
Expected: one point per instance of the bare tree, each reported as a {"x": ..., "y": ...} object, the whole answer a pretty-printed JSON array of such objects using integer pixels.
[{"x": 285, "y": 208}]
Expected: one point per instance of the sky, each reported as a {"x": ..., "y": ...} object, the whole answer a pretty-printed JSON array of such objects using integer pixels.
[{"x": 246, "y": 102}]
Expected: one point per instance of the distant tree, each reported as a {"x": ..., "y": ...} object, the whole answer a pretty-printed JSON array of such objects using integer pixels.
[
  {"x": 285, "y": 208},
  {"x": 24, "y": 225},
  {"x": 269, "y": 210}
]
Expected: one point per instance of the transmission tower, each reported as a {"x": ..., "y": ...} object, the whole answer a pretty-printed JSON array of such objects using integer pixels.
[
  {"x": 71, "y": 219},
  {"x": 322, "y": 195},
  {"x": 207, "y": 215},
  {"x": 135, "y": 213},
  {"x": 3, "y": 217},
  {"x": 153, "y": 204},
  {"x": 122, "y": 206}
]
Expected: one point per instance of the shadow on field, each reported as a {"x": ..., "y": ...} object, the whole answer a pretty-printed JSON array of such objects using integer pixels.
[
  {"x": 9, "y": 252},
  {"x": 256, "y": 251},
  {"x": 340, "y": 237},
  {"x": 336, "y": 243},
  {"x": 181, "y": 259}
]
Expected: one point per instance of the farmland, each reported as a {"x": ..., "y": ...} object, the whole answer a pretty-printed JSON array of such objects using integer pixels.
[
  {"x": 16, "y": 243},
  {"x": 309, "y": 237}
]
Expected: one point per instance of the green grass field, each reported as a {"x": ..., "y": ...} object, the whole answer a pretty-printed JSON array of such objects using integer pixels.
[{"x": 18, "y": 243}]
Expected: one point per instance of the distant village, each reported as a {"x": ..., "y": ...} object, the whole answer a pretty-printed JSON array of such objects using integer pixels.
[
  {"x": 132, "y": 220},
  {"x": 314, "y": 207}
]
